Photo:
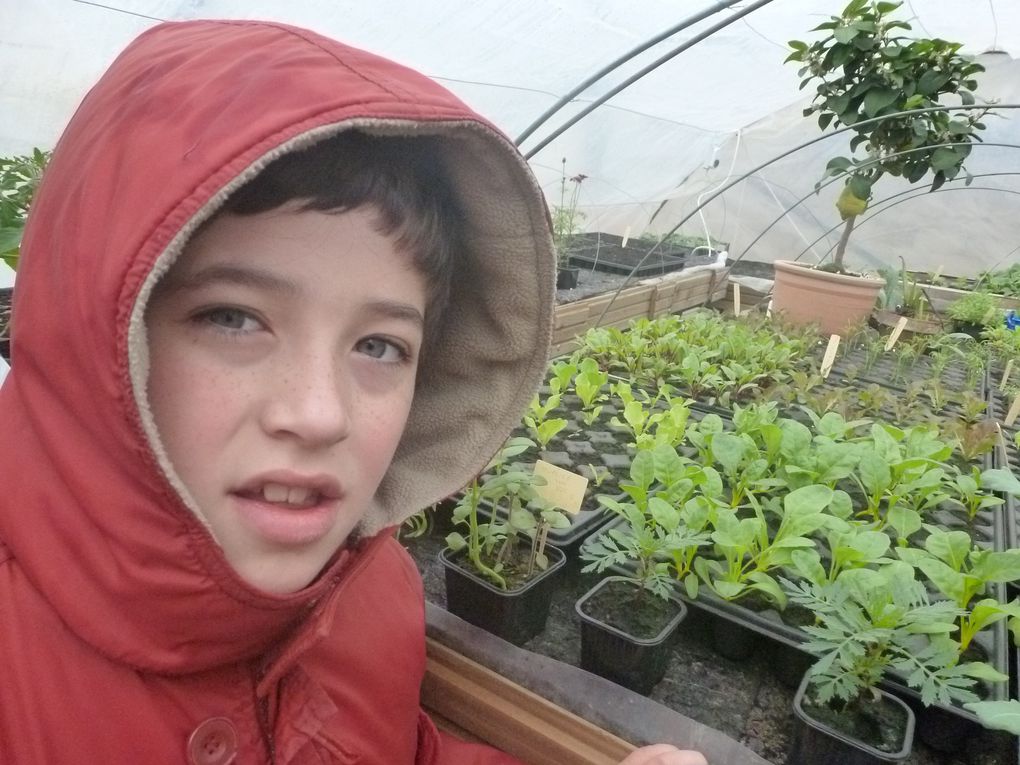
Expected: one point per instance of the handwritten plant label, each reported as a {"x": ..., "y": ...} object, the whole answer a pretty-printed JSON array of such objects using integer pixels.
[
  {"x": 626, "y": 237},
  {"x": 736, "y": 299},
  {"x": 562, "y": 488}
]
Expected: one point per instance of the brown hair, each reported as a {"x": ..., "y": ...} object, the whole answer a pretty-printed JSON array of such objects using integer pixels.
[{"x": 401, "y": 178}]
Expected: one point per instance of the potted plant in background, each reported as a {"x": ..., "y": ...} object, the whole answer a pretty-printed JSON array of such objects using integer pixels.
[
  {"x": 566, "y": 220},
  {"x": 19, "y": 179},
  {"x": 498, "y": 576},
  {"x": 867, "y": 69},
  {"x": 974, "y": 312}
]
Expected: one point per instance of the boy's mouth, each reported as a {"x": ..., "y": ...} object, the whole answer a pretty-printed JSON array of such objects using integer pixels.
[{"x": 295, "y": 492}]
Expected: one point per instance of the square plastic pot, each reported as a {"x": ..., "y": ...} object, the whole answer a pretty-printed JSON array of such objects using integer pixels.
[
  {"x": 635, "y": 663},
  {"x": 814, "y": 742},
  {"x": 514, "y": 615}
]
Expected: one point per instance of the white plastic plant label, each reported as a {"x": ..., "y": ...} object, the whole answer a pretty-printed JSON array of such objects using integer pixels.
[{"x": 4, "y": 369}]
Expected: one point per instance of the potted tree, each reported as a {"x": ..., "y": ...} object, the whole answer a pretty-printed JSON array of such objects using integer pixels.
[
  {"x": 498, "y": 576},
  {"x": 870, "y": 622},
  {"x": 873, "y": 79}
]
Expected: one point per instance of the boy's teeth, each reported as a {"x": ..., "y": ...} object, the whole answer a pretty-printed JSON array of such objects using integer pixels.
[
  {"x": 278, "y": 493},
  {"x": 274, "y": 492},
  {"x": 297, "y": 496}
]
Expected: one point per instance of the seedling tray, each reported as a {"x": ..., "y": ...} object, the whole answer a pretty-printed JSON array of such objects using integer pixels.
[{"x": 770, "y": 624}]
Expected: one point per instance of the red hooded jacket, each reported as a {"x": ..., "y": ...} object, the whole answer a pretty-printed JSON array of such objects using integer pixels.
[{"x": 125, "y": 637}]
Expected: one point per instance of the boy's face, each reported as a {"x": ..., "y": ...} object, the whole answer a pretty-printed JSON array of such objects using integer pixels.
[{"x": 284, "y": 347}]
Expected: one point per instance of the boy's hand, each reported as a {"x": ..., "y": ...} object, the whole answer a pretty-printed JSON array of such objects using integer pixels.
[{"x": 664, "y": 754}]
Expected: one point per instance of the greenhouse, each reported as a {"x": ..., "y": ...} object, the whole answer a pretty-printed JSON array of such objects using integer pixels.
[{"x": 696, "y": 408}]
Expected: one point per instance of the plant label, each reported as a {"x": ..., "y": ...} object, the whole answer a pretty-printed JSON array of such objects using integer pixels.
[
  {"x": 897, "y": 331},
  {"x": 736, "y": 299},
  {"x": 1005, "y": 374},
  {"x": 1014, "y": 411},
  {"x": 562, "y": 488},
  {"x": 626, "y": 237},
  {"x": 830, "y": 355}
]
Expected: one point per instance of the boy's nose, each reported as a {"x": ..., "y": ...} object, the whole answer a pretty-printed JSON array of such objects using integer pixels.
[{"x": 310, "y": 402}]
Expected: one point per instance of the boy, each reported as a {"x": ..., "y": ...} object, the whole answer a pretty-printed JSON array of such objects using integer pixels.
[{"x": 275, "y": 295}]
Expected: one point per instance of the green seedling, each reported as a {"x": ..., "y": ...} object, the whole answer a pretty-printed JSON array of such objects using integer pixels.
[{"x": 962, "y": 572}]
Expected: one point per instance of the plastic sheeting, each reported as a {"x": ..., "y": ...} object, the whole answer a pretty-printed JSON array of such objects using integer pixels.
[{"x": 701, "y": 119}]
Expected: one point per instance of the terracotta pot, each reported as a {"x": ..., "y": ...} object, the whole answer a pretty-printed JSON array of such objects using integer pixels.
[{"x": 832, "y": 301}]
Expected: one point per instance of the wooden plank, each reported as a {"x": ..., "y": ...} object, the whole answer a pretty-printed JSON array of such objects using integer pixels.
[
  {"x": 943, "y": 297},
  {"x": 644, "y": 300},
  {"x": 508, "y": 716}
]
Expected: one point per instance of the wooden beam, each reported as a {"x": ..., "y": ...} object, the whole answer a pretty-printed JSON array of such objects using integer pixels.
[{"x": 463, "y": 696}]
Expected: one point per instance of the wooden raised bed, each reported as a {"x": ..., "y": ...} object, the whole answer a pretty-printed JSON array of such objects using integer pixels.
[
  {"x": 655, "y": 297},
  {"x": 476, "y": 704}
]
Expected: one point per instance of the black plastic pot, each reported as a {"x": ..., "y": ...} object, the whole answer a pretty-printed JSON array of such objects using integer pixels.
[
  {"x": 514, "y": 615},
  {"x": 815, "y": 742},
  {"x": 944, "y": 731},
  {"x": 789, "y": 664},
  {"x": 635, "y": 663},
  {"x": 566, "y": 278},
  {"x": 733, "y": 641}
]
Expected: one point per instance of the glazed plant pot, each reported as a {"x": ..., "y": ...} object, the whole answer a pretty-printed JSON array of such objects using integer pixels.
[
  {"x": 514, "y": 615},
  {"x": 816, "y": 742},
  {"x": 610, "y": 650},
  {"x": 805, "y": 295}
]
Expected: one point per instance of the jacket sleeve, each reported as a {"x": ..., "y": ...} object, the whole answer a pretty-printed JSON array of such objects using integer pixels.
[{"x": 437, "y": 747}]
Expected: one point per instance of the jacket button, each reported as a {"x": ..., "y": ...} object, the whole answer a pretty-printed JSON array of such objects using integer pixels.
[{"x": 214, "y": 742}]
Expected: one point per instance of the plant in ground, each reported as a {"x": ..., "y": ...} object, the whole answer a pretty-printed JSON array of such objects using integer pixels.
[
  {"x": 962, "y": 572},
  {"x": 866, "y": 68},
  {"x": 871, "y": 622},
  {"x": 494, "y": 548}
]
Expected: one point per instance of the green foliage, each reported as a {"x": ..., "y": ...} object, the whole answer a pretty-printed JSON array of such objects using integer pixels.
[
  {"x": 870, "y": 622},
  {"x": 655, "y": 532},
  {"x": 517, "y": 513},
  {"x": 979, "y": 308},
  {"x": 1005, "y": 282},
  {"x": 865, "y": 68},
  {"x": 19, "y": 180},
  {"x": 961, "y": 572}
]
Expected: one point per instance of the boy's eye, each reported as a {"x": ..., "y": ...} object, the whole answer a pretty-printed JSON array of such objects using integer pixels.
[
  {"x": 381, "y": 349},
  {"x": 233, "y": 319}
]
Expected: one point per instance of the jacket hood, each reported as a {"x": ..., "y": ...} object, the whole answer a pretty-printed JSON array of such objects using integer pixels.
[{"x": 190, "y": 111}]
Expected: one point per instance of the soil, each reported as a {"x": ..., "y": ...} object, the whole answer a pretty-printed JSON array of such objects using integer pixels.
[
  {"x": 637, "y": 612},
  {"x": 880, "y": 724},
  {"x": 745, "y": 700}
]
